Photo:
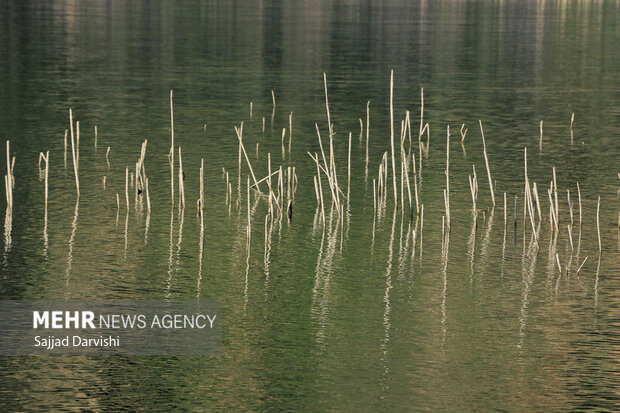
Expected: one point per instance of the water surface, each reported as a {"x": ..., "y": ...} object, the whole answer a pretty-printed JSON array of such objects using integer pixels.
[{"x": 347, "y": 315}]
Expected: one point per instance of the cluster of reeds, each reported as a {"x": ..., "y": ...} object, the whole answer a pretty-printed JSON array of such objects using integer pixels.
[{"x": 278, "y": 188}]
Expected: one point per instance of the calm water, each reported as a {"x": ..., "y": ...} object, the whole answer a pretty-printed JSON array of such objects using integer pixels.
[{"x": 353, "y": 315}]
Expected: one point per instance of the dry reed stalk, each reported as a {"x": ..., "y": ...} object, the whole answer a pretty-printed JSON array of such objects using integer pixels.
[
  {"x": 7, "y": 192},
  {"x": 239, "y": 132},
  {"x": 361, "y": 129},
  {"x": 316, "y": 191},
  {"x": 505, "y": 211},
  {"x": 103, "y": 181},
  {"x": 171, "y": 149},
  {"x": 290, "y": 132},
  {"x": 227, "y": 199},
  {"x": 329, "y": 125},
  {"x": 47, "y": 168},
  {"x": 486, "y": 161},
  {"x": 73, "y": 154},
  {"x": 283, "y": 136},
  {"x": 540, "y": 140},
  {"x": 385, "y": 175},
  {"x": 557, "y": 259},
  {"x": 374, "y": 195},
  {"x": 415, "y": 188},
  {"x": 472, "y": 190},
  {"x": 65, "y": 146},
  {"x": 107, "y": 157},
  {"x": 380, "y": 180},
  {"x": 408, "y": 190},
  {"x": 251, "y": 104},
  {"x": 528, "y": 196},
  {"x": 392, "y": 137},
  {"x": 281, "y": 187},
  {"x": 447, "y": 193},
  {"x": 402, "y": 188},
  {"x": 551, "y": 209},
  {"x": 202, "y": 194},
  {"x": 77, "y": 146},
  {"x": 555, "y": 191},
  {"x": 295, "y": 183},
  {"x": 96, "y": 136},
  {"x": 443, "y": 221},
  {"x": 148, "y": 198},
  {"x": 249, "y": 229},
  {"x": 127, "y": 187},
  {"x": 264, "y": 179},
  {"x": 367, "y": 130},
  {"x": 537, "y": 202},
  {"x": 270, "y": 201},
  {"x": 263, "y": 124},
  {"x": 579, "y": 269},
  {"x": 118, "y": 203},
  {"x": 289, "y": 178},
  {"x": 138, "y": 186},
  {"x": 579, "y": 196},
  {"x": 181, "y": 184},
  {"x": 421, "y": 131},
  {"x": 570, "y": 206},
  {"x": 408, "y": 133},
  {"x": 570, "y": 235},
  {"x": 598, "y": 225},
  {"x": 349, "y": 171},
  {"x": 463, "y": 133},
  {"x": 403, "y": 159},
  {"x": 421, "y": 224},
  {"x": 530, "y": 208},
  {"x": 572, "y": 119},
  {"x": 318, "y": 171}
]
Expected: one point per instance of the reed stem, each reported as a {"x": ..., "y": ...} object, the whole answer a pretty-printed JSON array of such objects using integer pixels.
[
  {"x": 486, "y": 161},
  {"x": 448, "y": 176},
  {"x": 392, "y": 137},
  {"x": 349, "y": 171},
  {"x": 127, "y": 187},
  {"x": 367, "y": 130},
  {"x": 290, "y": 133},
  {"x": 579, "y": 196},
  {"x": 65, "y": 146},
  {"x": 540, "y": 139},
  {"x": 171, "y": 150},
  {"x": 73, "y": 154},
  {"x": 47, "y": 169},
  {"x": 598, "y": 225},
  {"x": 239, "y": 132}
]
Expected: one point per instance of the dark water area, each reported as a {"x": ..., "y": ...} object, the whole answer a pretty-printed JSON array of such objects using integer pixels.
[{"x": 365, "y": 312}]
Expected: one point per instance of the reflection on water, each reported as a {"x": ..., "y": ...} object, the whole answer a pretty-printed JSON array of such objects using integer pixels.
[{"x": 333, "y": 308}]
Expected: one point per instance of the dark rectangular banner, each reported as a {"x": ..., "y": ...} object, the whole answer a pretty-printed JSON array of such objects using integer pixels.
[{"x": 110, "y": 327}]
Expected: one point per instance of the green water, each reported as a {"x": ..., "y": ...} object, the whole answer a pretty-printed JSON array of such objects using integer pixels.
[{"x": 343, "y": 316}]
